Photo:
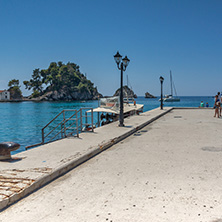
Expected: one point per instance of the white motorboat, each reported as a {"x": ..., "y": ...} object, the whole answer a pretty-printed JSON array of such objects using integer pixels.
[{"x": 109, "y": 109}]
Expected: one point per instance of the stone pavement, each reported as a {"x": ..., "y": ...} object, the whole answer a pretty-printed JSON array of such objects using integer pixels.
[{"x": 32, "y": 169}]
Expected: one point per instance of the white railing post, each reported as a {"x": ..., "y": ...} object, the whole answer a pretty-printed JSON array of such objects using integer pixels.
[
  {"x": 77, "y": 125},
  {"x": 64, "y": 125},
  {"x": 81, "y": 119},
  {"x": 92, "y": 119}
]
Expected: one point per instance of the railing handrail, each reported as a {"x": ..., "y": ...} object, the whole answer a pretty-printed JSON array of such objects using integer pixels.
[
  {"x": 53, "y": 119},
  {"x": 58, "y": 116},
  {"x": 64, "y": 121},
  {"x": 54, "y": 128}
]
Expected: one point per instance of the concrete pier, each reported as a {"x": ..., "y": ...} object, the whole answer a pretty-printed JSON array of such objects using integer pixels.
[
  {"x": 36, "y": 167},
  {"x": 169, "y": 169}
]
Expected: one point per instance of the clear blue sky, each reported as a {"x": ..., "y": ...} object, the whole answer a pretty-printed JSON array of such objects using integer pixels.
[{"x": 157, "y": 36}]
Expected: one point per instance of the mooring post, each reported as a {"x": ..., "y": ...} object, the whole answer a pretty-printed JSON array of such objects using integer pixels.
[{"x": 6, "y": 148}]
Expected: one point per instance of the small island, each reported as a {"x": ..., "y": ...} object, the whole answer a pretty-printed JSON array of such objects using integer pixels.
[
  {"x": 59, "y": 82},
  {"x": 148, "y": 95}
]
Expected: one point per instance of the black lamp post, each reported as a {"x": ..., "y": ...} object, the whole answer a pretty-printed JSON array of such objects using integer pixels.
[
  {"x": 161, "y": 99},
  {"x": 121, "y": 64}
]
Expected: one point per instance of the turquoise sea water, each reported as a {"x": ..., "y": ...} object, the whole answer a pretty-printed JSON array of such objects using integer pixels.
[{"x": 22, "y": 122}]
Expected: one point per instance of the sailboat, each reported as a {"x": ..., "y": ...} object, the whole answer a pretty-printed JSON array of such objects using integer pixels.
[
  {"x": 171, "y": 98},
  {"x": 129, "y": 86}
]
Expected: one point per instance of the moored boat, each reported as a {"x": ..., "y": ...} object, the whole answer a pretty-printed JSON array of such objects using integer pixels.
[
  {"x": 109, "y": 109},
  {"x": 171, "y": 98}
]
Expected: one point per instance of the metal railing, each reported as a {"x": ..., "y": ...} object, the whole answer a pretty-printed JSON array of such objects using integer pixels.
[{"x": 62, "y": 126}]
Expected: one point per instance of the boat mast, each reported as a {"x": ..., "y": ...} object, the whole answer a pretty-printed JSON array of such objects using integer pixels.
[{"x": 171, "y": 83}]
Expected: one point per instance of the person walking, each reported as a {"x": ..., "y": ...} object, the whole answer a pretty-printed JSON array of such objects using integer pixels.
[{"x": 217, "y": 106}]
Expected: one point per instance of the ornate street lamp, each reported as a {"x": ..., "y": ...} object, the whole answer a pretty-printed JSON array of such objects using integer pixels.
[
  {"x": 161, "y": 99},
  {"x": 121, "y": 64}
]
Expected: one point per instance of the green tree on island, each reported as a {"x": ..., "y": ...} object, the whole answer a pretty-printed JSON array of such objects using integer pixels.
[
  {"x": 64, "y": 80},
  {"x": 35, "y": 83},
  {"x": 14, "y": 89}
]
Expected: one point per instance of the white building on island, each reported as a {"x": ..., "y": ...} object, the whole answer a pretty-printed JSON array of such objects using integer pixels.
[{"x": 4, "y": 95}]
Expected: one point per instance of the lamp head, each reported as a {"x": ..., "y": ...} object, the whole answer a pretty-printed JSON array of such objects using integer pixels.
[
  {"x": 126, "y": 61},
  {"x": 161, "y": 79},
  {"x": 117, "y": 58}
]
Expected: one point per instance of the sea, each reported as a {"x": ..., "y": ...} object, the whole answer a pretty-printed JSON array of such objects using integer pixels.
[{"x": 21, "y": 122}]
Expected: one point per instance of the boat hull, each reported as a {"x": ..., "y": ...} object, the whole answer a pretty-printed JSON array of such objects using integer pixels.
[{"x": 171, "y": 100}]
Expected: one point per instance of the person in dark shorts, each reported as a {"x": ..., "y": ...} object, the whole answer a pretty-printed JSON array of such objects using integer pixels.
[{"x": 217, "y": 106}]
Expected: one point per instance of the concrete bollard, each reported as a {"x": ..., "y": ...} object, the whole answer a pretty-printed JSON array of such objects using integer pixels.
[{"x": 6, "y": 148}]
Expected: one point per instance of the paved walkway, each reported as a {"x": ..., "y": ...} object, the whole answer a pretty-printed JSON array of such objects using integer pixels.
[
  {"x": 32, "y": 169},
  {"x": 168, "y": 171}
]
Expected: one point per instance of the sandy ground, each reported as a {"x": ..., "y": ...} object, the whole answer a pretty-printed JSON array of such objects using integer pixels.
[{"x": 170, "y": 170}]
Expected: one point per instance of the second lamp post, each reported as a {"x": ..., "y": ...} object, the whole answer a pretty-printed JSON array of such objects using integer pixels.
[
  {"x": 121, "y": 64},
  {"x": 161, "y": 98}
]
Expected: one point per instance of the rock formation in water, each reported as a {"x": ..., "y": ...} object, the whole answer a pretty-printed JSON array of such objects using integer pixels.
[
  {"x": 67, "y": 95},
  {"x": 148, "y": 95},
  {"x": 127, "y": 92}
]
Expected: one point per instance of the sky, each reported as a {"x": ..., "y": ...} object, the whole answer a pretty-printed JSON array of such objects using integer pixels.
[{"x": 184, "y": 36}]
